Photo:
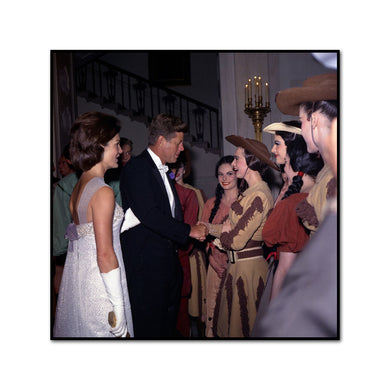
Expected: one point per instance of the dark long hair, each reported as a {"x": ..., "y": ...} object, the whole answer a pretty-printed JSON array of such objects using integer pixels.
[
  {"x": 302, "y": 161},
  {"x": 219, "y": 190},
  {"x": 288, "y": 136}
]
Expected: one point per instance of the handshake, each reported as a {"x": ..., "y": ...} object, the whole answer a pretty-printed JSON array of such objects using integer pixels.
[{"x": 199, "y": 231}]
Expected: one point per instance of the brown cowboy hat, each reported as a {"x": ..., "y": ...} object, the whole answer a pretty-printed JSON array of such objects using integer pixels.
[
  {"x": 320, "y": 87},
  {"x": 253, "y": 146}
]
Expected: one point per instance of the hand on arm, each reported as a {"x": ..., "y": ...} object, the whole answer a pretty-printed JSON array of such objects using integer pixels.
[{"x": 226, "y": 226}]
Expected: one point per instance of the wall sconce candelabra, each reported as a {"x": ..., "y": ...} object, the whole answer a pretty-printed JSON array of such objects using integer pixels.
[{"x": 257, "y": 112}]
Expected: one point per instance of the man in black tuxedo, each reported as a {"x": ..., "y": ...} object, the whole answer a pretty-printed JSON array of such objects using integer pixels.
[{"x": 153, "y": 270}]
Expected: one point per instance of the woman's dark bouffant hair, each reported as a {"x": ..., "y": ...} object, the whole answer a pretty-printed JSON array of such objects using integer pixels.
[
  {"x": 287, "y": 135},
  {"x": 258, "y": 165},
  {"x": 219, "y": 190},
  {"x": 89, "y": 134},
  {"x": 302, "y": 161},
  {"x": 326, "y": 107}
]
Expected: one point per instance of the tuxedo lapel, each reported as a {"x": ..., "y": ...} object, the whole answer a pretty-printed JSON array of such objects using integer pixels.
[
  {"x": 157, "y": 175},
  {"x": 178, "y": 212}
]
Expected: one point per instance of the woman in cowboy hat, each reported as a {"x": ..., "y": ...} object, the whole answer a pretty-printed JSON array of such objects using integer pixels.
[
  {"x": 316, "y": 104},
  {"x": 241, "y": 236},
  {"x": 284, "y": 133},
  {"x": 283, "y": 228}
]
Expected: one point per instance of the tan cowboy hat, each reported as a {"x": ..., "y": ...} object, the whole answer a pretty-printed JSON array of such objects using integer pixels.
[
  {"x": 280, "y": 126},
  {"x": 320, "y": 87},
  {"x": 253, "y": 146}
]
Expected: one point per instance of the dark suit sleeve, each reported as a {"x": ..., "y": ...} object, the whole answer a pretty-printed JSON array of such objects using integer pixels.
[{"x": 142, "y": 192}]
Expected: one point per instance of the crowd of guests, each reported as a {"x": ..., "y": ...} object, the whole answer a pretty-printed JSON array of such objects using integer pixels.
[{"x": 140, "y": 253}]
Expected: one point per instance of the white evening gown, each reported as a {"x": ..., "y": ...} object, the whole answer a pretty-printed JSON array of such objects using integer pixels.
[{"x": 83, "y": 305}]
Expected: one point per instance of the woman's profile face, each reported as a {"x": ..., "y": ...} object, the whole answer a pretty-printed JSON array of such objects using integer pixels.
[
  {"x": 279, "y": 149},
  {"x": 112, "y": 151},
  {"x": 239, "y": 163}
]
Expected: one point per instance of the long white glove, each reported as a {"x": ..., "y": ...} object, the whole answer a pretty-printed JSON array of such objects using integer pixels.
[{"x": 112, "y": 282}]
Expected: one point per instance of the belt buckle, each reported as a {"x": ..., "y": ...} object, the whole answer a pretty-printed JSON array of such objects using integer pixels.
[{"x": 233, "y": 256}]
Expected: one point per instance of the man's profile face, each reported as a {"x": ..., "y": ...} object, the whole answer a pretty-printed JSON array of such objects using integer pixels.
[{"x": 171, "y": 149}]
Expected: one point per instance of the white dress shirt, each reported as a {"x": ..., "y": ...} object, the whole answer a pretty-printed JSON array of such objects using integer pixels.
[{"x": 163, "y": 172}]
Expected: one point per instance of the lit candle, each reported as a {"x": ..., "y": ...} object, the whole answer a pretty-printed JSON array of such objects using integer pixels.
[
  {"x": 260, "y": 95},
  {"x": 267, "y": 92},
  {"x": 246, "y": 94},
  {"x": 254, "y": 83},
  {"x": 257, "y": 93},
  {"x": 250, "y": 91}
]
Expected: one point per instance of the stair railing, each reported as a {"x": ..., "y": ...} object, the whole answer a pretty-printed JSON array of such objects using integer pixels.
[{"x": 129, "y": 94}]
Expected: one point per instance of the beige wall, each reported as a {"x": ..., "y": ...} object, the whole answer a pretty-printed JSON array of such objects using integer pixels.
[{"x": 281, "y": 70}]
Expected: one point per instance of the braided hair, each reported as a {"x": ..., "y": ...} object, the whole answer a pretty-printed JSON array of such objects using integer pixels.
[
  {"x": 219, "y": 190},
  {"x": 301, "y": 161}
]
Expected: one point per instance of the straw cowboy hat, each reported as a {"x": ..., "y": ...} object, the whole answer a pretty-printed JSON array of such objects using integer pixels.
[
  {"x": 280, "y": 126},
  {"x": 321, "y": 87},
  {"x": 253, "y": 146}
]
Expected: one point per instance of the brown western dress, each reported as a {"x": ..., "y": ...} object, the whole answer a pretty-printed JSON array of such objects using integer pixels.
[{"x": 241, "y": 289}]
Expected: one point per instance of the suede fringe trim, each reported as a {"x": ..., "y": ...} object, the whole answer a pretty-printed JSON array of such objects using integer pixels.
[
  {"x": 256, "y": 206},
  {"x": 218, "y": 304},
  {"x": 243, "y": 299},
  {"x": 237, "y": 208},
  {"x": 229, "y": 296},
  {"x": 307, "y": 213}
]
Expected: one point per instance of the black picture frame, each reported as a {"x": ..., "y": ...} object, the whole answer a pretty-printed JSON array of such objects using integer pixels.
[{"x": 169, "y": 68}]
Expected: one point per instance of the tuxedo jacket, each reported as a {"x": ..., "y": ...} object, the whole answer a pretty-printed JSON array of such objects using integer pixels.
[{"x": 150, "y": 246}]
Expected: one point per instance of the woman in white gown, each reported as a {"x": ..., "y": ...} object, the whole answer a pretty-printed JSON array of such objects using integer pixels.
[{"x": 94, "y": 281}]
